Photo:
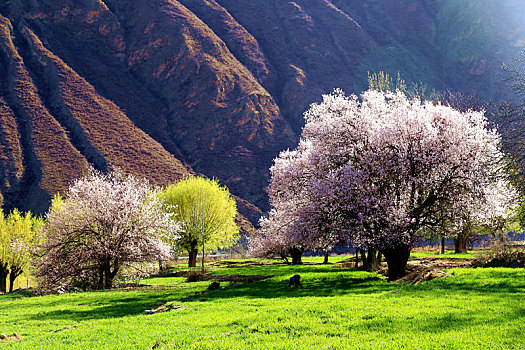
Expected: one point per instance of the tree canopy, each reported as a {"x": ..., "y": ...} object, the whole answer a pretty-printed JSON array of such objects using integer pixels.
[
  {"x": 205, "y": 210},
  {"x": 19, "y": 236},
  {"x": 377, "y": 171},
  {"x": 104, "y": 222}
]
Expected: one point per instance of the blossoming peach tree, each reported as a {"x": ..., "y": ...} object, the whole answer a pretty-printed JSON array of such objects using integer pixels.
[
  {"x": 105, "y": 222},
  {"x": 376, "y": 173}
]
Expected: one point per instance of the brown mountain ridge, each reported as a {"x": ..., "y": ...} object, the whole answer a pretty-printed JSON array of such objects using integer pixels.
[{"x": 163, "y": 88}]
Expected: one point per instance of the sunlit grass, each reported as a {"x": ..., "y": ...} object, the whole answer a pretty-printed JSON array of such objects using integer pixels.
[
  {"x": 337, "y": 309},
  {"x": 449, "y": 254}
]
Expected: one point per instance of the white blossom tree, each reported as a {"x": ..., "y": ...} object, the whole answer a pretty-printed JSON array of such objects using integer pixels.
[
  {"x": 104, "y": 222},
  {"x": 380, "y": 169}
]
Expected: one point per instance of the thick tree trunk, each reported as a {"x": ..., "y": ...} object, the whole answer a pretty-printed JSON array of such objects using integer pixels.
[
  {"x": 297, "y": 256},
  {"x": 4, "y": 271},
  {"x": 15, "y": 272},
  {"x": 460, "y": 245},
  {"x": 370, "y": 262},
  {"x": 192, "y": 260},
  {"x": 356, "y": 258},
  {"x": 325, "y": 261},
  {"x": 108, "y": 282},
  {"x": 372, "y": 259},
  {"x": 442, "y": 245},
  {"x": 111, "y": 273},
  {"x": 107, "y": 274},
  {"x": 397, "y": 259}
]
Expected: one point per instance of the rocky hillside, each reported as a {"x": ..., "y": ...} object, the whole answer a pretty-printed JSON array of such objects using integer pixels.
[{"x": 162, "y": 88}]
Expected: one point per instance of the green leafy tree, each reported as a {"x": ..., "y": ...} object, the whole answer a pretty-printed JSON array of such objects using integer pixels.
[
  {"x": 25, "y": 234},
  {"x": 206, "y": 212},
  {"x": 19, "y": 235},
  {"x": 4, "y": 253}
]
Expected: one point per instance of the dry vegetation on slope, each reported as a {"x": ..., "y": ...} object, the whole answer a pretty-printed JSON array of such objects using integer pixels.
[
  {"x": 159, "y": 86},
  {"x": 50, "y": 159}
]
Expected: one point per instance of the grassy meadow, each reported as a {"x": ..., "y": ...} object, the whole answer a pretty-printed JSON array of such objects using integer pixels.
[
  {"x": 339, "y": 308},
  {"x": 449, "y": 254}
]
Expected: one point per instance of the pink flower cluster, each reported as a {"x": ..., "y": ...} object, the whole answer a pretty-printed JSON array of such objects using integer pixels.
[
  {"x": 375, "y": 172},
  {"x": 105, "y": 222}
]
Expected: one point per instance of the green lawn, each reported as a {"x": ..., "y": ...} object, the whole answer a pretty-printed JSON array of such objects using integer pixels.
[
  {"x": 337, "y": 309},
  {"x": 449, "y": 254}
]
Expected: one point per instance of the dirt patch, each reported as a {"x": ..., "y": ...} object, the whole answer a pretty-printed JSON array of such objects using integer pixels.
[
  {"x": 348, "y": 263},
  {"x": 169, "y": 306},
  {"x": 423, "y": 269},
  {"x": 424, "y": 273},
  {"x": 10, "y": 337},
  {"x": 419, "y": 269}
]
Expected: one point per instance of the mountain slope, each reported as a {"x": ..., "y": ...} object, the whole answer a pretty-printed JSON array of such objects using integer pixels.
[{"x": 161, "y": 87}]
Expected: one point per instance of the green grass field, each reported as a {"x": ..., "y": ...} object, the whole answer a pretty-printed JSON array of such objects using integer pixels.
[
  {"x": 449, "y": 254},
  {"x": 337, "y": 309}
]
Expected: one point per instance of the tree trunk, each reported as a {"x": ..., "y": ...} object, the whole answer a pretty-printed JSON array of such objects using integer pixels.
[
  {"x": 111, "y": 273},
  {"x": 370, "y": 262},
  {"x": 108, "y": 281},
  {"x": 356, "y": 258},
  {"x": 192, "y": 260},
  {"x": 4, "y": 271},
  {"x": 325, "y": 261},
  {"x": 297, "y": 256},
  {"x": 442, "y": 245},
  {"x": 372, "y": 259},
  {"x": 397, "y": 259},
  {"x": 15, "y": 272},
  {"x": 460, "y": 245},
  {"x": 363, "y": 259}
]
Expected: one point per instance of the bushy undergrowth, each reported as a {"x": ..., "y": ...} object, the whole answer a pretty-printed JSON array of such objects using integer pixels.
[{"x": 501, "y": 255}]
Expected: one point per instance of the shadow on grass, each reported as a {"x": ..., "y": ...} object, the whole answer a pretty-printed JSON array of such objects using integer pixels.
[
  {"x": 281, "y": 269},
  {"x": 315, "y": 284},
  {"x": 318, "y": 281},
  {"x": 102, "y": 305}
]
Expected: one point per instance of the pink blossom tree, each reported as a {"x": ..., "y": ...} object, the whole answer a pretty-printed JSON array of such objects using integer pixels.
[
  {"x": 382, "y": 168},
  {"x": 105, "y": 222},
  {"x": 294, "y": 225}
]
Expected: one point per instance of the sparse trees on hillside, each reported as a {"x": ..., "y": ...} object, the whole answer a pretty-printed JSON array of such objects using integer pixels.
[
  {"x": 510, "y": 118},
  {"x": 104, "y": 222},
  {"x": 206, "y": 212},
  {"x": 385, "y": 164}
]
